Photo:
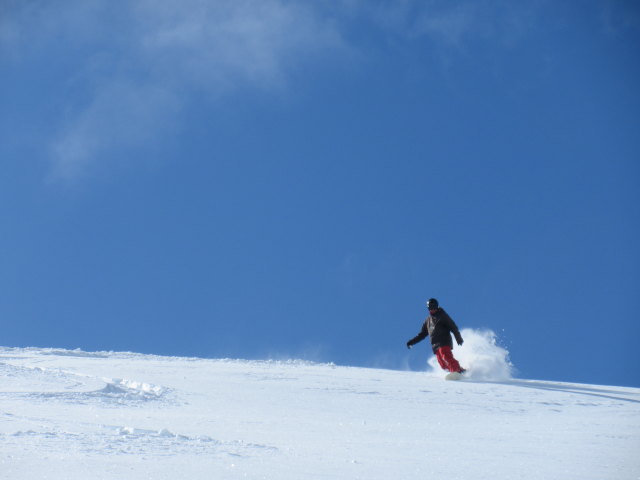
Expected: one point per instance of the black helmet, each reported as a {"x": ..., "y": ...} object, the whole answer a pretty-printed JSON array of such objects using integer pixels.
[{"x": 432, "y": 304}]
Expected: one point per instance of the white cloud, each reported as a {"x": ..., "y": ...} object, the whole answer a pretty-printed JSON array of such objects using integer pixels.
[
  {"x": 214, "y": 45},
  {"x": 443, "y": 22},
  {"x": 120, "y": 115},
  {"x": 135, "y": 65},
  {"x": 450, "y": 26},
  {"x": 454, "y": 25},
  {"x": 140, "y": 62}
]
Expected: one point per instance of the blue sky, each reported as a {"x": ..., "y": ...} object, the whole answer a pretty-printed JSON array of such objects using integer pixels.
[{"x": 270, "y": 179}]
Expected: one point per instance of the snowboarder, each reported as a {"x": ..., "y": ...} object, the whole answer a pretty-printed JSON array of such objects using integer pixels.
[{"x": 439, "y": 326}]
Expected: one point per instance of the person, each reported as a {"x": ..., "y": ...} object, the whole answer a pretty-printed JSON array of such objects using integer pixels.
[{"x": 439, "y": 326}]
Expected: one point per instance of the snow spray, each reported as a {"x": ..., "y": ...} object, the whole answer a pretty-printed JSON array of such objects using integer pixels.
[{"x": 480, "y": 355}]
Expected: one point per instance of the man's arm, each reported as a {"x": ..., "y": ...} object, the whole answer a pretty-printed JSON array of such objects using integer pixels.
[{"x": 418, "y": 338}]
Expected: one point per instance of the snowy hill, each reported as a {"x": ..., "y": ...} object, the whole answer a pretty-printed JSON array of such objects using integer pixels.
[{"x": 78, "y": 415}]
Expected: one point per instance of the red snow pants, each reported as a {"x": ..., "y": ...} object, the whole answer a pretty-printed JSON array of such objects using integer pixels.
[{"x": 446, "y": 360}]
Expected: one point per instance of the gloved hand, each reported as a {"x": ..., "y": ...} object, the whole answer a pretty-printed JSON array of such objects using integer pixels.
[
  {"x": 459, "y": 340},
  {"x": 409, "y": 345}
]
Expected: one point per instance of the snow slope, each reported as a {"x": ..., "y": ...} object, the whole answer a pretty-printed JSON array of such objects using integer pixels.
[{"x": 77, "y": 415}]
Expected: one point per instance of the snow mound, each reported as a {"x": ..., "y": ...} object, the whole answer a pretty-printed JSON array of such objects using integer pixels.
[
  {"x": 132, "y": 389},
  {"x": 481, "y": 355}
]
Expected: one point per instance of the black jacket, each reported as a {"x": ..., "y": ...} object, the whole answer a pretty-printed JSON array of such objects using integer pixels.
[{"x": 439, "y": 327}]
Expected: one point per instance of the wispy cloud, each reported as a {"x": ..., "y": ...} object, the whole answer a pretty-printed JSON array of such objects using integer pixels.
[
  {"x": 442, "y": 22},
  {"x": 215, "y": 45},
  {"x": 142, "y": 61},
  {"x": 135, "y": 66},
  {"x": 119, "y": 115},
  {"x": 453, "y": 26}
]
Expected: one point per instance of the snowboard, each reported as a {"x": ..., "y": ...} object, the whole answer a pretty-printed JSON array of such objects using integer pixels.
[{"x": 453, "y": 376}]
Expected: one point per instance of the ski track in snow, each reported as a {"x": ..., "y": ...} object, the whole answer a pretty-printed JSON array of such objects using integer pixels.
[{"x": 123, "y": 415}]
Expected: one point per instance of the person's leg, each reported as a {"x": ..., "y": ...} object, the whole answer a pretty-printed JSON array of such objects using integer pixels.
[
  {"x": 442, "y": 358},
  {"x": 447, "y": 359}
]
